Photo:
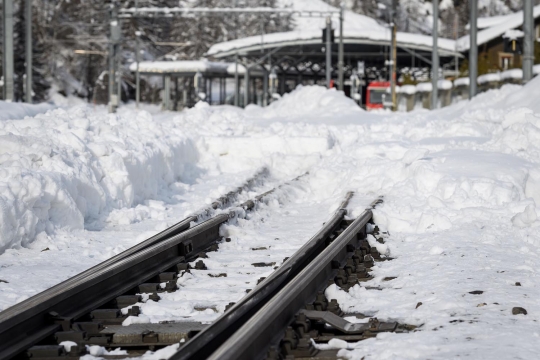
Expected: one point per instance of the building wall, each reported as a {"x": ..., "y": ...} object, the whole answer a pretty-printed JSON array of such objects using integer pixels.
[{"x": 491, "y": 54}]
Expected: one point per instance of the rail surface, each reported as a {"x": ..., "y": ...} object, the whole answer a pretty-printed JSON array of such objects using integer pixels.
[
  {"x": 209, "y": 339},
  {"x": 266, "y": 327}
]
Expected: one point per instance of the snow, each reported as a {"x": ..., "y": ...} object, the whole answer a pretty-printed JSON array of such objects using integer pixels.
[
  {"x": 180, "y": 66},
  {"x": 513, "y": 34},
  {"x": 15, "y": 111},
  {"x": 512, "y": 74},
  {"x": 482, "y": 79},
  {"x": 444, "y": 84},
  {"x": 408, "y": 89},
  {"x": 424, "y": 87},
  {"x": 356, "y": 28},
  {"x": 486, "y": 22},
  {"x": 461, "y": 190},
  {"x": 463, "y": 81}
]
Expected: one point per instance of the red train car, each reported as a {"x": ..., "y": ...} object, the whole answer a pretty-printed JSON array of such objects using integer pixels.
[{"x": 377, "y": 94}]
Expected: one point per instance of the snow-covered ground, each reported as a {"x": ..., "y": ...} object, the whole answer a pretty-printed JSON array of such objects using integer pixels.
[{"x": 461, "y": 187}]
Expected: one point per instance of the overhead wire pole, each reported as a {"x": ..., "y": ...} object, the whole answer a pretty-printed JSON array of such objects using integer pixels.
[
  {"x": 7, "y": 60},
  {"x": 340, "y": 51},
  {"x": 137, "y": 59},
  {"x": 528, "y": 40},
  {"x": 236, "y": 90},
  {"x": 456, "y": 61},
  {"x": 473, "y": 48},
  {"x": 28, "y": 46},
  {"x": 113, "y": 49},
  {"x": 393, "y": 56},
  {"x": 435, "y": 57},
  {"x": 328, "y": 52}
]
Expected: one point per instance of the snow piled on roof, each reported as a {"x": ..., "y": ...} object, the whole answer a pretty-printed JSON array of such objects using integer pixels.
[
  {"x": 510, "y": 22},
  {"x": 513, "y": 34},
  {"x": 187, "y": 66},
  {"x": 486, "y": 22},
  {"x": 355, "y": 26}
]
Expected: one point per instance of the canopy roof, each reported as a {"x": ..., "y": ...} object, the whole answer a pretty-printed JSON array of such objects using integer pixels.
[{"x": 190, "y": 67}]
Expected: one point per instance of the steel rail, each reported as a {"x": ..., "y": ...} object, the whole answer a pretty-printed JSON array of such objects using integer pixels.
[
  {"x": 46, "y": 299},
  {"x": 252, "y": 340},
  {"x": 209, "y": 339},
  {"x": 27, "y": 323}
]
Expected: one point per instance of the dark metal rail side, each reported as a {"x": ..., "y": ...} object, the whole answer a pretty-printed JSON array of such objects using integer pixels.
[
  {"x": 209, "y": 339},
  {"x": 252, "y": 340},
  {"x": 36, "y": 318}
]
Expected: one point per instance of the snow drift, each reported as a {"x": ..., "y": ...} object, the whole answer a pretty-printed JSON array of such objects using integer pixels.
[{"x": 67, "y": 169}]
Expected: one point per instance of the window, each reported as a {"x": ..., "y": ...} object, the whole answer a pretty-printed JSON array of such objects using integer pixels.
[
  {"x": 376, "y": 96},
  {"x": 506, "y": 60}
]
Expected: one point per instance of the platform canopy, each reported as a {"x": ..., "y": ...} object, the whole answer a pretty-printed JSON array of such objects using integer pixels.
[{"x": 365, "y": 39}]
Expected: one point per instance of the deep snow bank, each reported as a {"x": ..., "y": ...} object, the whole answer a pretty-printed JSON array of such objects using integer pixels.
[
  {"x": 68, "y": 168},
  {"x": 14, "y": 111}
]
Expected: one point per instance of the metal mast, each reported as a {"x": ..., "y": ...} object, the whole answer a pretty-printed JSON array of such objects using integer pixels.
[
  {"x": 8, "y": 50},
  {"x": 528, "y": 40},
  {"x": 28, "y": 43},
  {"x": 393, "y": 55},
  {"x": 137, "y": 58},
  {"x": 340, "y": 54},
  {"x": 473, "y": 49},
  {"x": 328, "y": 51},
  {"x": 435, "y": 57}
]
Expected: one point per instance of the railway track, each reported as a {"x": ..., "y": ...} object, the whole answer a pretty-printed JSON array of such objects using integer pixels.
[{"x": 285, "y": 315}]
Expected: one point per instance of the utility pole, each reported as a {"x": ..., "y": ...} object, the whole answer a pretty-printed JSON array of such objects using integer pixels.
[
  {"x": 328, "y": 52},
  {"x": 236, "y": 90},
  {"x": 340, "y": 51},
  {"x": 456, "y": 61},
  {"x": 528, "y": 40},
  {"x": 473, "y": 49},
  {"x": 435, "y": 57},
  {"x": 393, "y": 54},
  {"x": 8, "y": 50},
  {"x": 28, "y": 43},
  {"x": 137, "y": 58},
  {"x": 114, "y": 41},
  {"x": 246, "y": 85},
  {"x": 138, "y": 74}
]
